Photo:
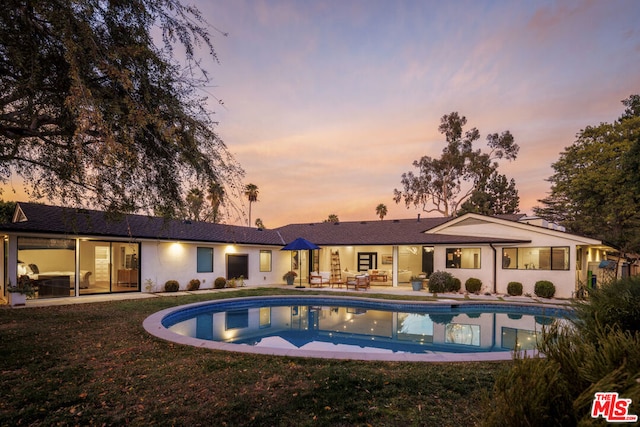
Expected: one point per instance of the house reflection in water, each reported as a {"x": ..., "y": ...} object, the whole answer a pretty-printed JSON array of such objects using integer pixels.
[{"x": 333, "y": 328}]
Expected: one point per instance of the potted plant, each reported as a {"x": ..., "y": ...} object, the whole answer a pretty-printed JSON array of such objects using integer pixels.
[
  {"x": 289, "y": 277},
  {"x": 416, "y": 282},
  {"x": 18, "y": 294}
]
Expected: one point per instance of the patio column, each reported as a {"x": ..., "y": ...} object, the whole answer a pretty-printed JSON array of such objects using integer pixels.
[
  {"x": 12, "y": 259},
  {"x": 394, "y": 268}
]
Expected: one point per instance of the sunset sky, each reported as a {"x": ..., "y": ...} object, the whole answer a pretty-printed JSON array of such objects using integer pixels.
[{"x": 327, "y": 103}]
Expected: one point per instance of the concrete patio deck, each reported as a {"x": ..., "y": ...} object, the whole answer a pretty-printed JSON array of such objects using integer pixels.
[{"x": 375, "y": 289}]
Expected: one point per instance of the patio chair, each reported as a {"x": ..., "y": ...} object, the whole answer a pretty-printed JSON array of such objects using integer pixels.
[
  {"x": 358, "y": 282},
  {"x": 317, "y": 280}
]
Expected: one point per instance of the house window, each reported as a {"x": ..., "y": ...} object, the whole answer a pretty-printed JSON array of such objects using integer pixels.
[
  {"x": 265, "y": 260},
  {"x": 50, "y": 264},
  {"x": 367, "y": 261},
  {"x": 237, "y": 265},
  {"x": 205, "y": 260},
  {"x": 537, "y": 258},
  {"x": 510, "y": 258},
  {"x": 463, "y": 258}
]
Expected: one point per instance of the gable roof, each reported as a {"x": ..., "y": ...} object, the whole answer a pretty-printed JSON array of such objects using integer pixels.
[
  {"x": 38, "y": 218},
  {"x": 482, "y": 222}
]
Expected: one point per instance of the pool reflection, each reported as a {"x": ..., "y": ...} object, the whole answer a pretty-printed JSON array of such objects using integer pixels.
[{"x": 333, "y": 328}]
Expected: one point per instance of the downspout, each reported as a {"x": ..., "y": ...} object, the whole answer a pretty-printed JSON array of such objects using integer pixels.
[{"x": 495, "y": 269}]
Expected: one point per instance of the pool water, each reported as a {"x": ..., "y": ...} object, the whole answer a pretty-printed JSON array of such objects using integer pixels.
[{"x": 338, "y": 324}]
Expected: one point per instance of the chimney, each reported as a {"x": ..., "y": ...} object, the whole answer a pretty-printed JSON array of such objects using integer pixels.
[{"x": 418, "y": 217}]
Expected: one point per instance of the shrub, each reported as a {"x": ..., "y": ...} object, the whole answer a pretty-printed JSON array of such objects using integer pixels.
[
  {"x": 454, "y": 285},
  {"x": 473, "y": 285},
  {"x": 194, "y": 285},
  {"x": 544, "y": 289},
  {"x": 231, "y": 283},
  {"x": 171, "y": 286},
  {"x": 532, "y": 392},
  {"x": 599, "y": 351},
  {"x": 514, "y": 289},
  {"x": 615, "y": 305},
  {"x": 219, "y": 283},
  {"x": 438, "y": 281}
]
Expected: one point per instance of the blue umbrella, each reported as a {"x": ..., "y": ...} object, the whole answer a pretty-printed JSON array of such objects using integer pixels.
[{"x": 300, "y": 244}]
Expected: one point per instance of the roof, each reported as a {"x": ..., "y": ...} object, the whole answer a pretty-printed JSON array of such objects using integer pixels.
[
  {"x": 482, "y": 223},
  {"x": 379, "y": 232},
  {"x": 38, "y": 218}
]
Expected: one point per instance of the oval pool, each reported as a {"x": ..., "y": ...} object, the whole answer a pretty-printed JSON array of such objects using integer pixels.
[{"x": 357, "y": 328}]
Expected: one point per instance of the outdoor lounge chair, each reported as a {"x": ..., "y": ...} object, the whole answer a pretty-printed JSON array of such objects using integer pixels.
[
  {"x": 358, "y": 282},
  {"x": 317, "y": 280}
]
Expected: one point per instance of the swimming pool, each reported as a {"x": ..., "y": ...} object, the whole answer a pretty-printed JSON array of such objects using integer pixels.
[{"x": 357, "y": 328}]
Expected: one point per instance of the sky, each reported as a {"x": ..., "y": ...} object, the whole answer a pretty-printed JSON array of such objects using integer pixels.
[{"x": 325, "y": 104}]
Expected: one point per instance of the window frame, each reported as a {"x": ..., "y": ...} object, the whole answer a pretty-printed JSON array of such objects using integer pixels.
[
  {"x": 200, "y": 249},
  {"x": 270, "y": 267},
  {"x": 454, "y": 258},
  {"x": 560, "y": 252}
]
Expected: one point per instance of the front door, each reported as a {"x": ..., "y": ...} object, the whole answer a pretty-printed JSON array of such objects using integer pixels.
[{"x": 367, "y": 261}]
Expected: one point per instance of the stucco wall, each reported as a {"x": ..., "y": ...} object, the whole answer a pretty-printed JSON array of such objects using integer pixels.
[{"x": 162, "y": 261}]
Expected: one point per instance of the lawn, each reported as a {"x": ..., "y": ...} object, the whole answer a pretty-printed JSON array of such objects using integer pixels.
[{"x": 94, "y": 364}]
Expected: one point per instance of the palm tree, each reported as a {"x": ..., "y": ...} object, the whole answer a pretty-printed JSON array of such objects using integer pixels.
[
  {"x": 381, "y": 210},
  {"x": 215, "y": 195},
  {"x": 195, "y": 200},
  {"x": 332, "y": 218},
  {"x": 260, "y": 224},
  {"x": 251, "y": 191}
]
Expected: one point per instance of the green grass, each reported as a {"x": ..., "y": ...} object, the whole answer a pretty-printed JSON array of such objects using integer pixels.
[{"x": 88, "y": 364}]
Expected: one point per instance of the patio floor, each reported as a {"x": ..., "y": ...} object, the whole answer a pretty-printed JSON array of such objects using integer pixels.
[{"x": 374, "y": 289}]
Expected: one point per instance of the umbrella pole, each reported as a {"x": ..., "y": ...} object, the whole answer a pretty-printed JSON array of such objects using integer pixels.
[{"x": 300, "y": 268}]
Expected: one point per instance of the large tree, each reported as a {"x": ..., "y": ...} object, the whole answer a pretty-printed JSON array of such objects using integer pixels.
[
  {"x": 444, "y": 184},
  {"x": 96, "y": 109},
  {"x": 497, "y": 195},
  {"x": 594, "y": 189}
]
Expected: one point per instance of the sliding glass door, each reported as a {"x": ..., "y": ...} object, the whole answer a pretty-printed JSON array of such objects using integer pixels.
[{"x": 107, "y": 267}]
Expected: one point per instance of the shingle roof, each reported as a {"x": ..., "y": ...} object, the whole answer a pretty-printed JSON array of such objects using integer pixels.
[
  {"x": 386, "y": 232},
  {"x": 54, "y": 219},
  {"x": 71, "y": 221}
]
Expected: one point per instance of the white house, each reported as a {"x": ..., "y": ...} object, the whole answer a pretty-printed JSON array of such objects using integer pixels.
[{"x": 75, "y": 252}]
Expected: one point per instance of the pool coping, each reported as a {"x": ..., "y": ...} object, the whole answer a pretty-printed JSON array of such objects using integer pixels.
[{"x": 153, "y": 325}]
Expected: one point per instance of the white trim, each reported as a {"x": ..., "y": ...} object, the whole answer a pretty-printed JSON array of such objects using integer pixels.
[{"x": 442, "y": 228}]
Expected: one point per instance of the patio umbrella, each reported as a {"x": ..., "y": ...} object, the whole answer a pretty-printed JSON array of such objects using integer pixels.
[{"x": 300, "y": 244}]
